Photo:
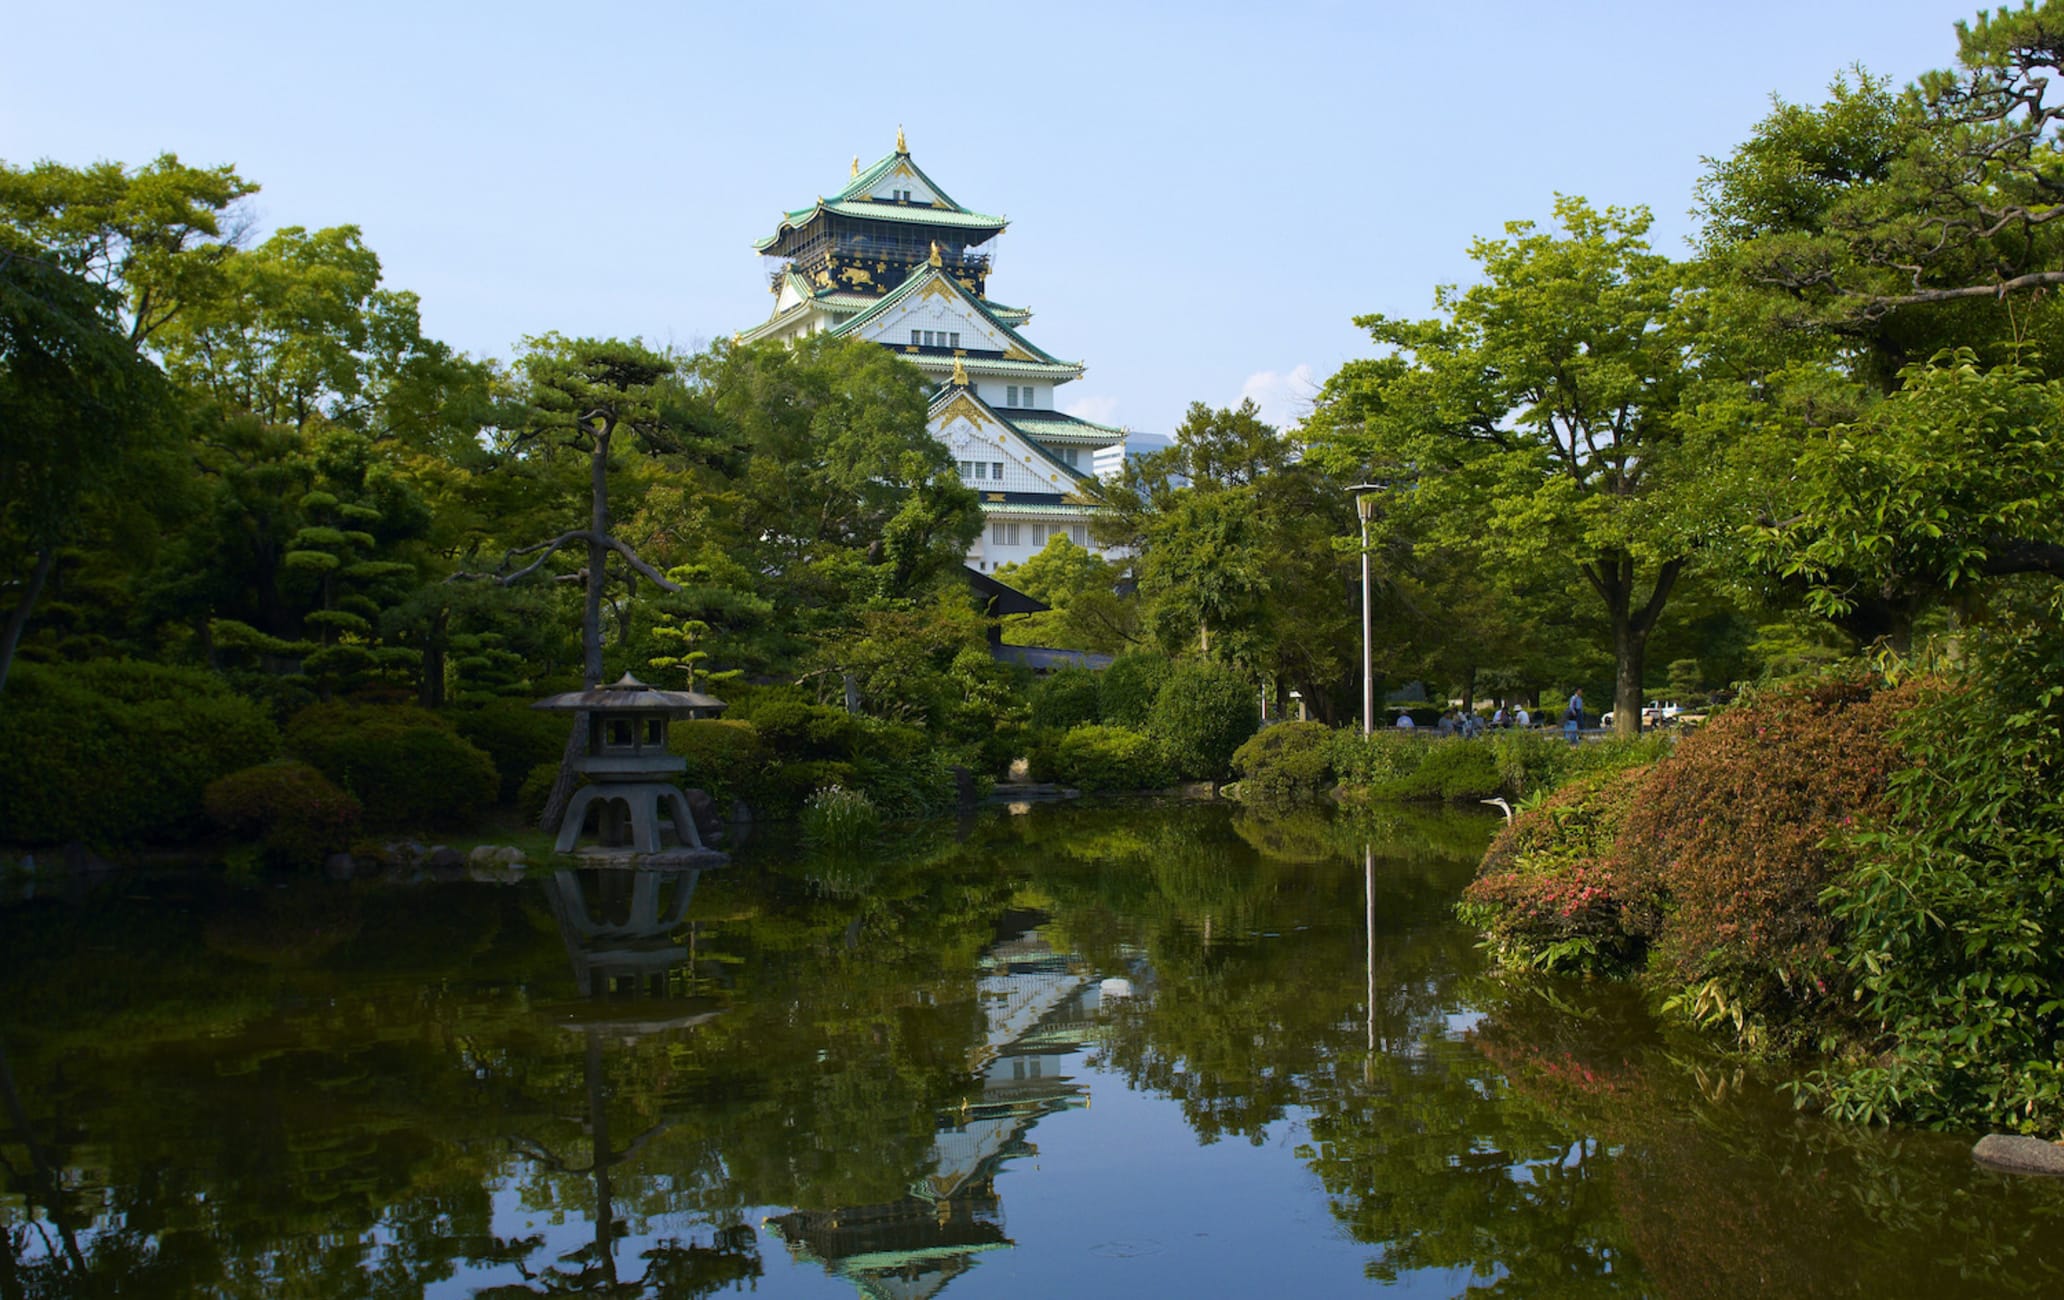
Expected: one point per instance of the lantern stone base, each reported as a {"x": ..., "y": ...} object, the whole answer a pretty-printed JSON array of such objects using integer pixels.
[{"x": 629, "y": 816}]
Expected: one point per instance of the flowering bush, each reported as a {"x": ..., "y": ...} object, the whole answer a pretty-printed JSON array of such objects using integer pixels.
[
  {"x": 1740, "y": 830},
  {"x": 1548, "y": 894}
]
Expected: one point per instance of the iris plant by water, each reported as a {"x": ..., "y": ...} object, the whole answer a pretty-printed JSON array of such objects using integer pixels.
[{"x": 1119, "y": 1050}]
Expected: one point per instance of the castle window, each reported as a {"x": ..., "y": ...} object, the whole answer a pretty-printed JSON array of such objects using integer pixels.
[
  {"x": 1003, "y": 534},
  {"x": 1011, "y": 396},
  {"x": 980, "y": 469},
  {"x": 1070, "y": 456},
  {"x": 997, "y": 467},
  {"x": 954, "y": 340},
  {"x": 914, "y": 336},
  {"x": 1030, "y": 400}
]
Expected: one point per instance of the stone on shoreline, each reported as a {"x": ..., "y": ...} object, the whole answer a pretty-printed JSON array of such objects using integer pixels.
[{"x": 2019, "y": 1155}]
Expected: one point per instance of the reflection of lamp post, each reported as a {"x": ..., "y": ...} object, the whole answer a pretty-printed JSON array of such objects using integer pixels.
[{"x": 1364, "y": 502}]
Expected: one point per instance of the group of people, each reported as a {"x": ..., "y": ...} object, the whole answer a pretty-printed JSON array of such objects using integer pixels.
[{"x": 1454, "y": 722}]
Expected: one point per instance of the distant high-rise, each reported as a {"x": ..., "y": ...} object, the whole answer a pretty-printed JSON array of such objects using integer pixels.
[{"x": 893, "y": 259}]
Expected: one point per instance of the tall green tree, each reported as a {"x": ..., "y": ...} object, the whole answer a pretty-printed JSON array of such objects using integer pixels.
[
  {"x": 1534, "y": 424},
  {"x": 80, "y": 407}
]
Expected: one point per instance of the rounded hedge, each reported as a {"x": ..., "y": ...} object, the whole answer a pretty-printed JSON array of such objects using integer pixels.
[
  {"x": 1067, "y": 698},
  {"x": 1203, "y": 712},
  {"x": 513, "y": 735},
  {"x": 725, "y": 757},
  {"x": 1101, "y": 758},
  {"x": 119, "y": 752},
  {"x": 405, "y": 764},
  {"x": 1126, "y": 690},
  {"x": 296, "y": 814},
  {"x": 1286, "y": 763}
]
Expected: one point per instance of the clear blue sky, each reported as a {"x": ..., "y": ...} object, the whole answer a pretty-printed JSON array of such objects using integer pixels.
[{"x": 1201, "y": 195}]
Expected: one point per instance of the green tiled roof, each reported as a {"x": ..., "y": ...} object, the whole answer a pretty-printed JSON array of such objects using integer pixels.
[
  {"x": 913, "y": 283},
  {"x": 987, "y": 367},
  {"x": 854, "y": 201},
  {"x": 1060, "y": 427},
  {"x": 860, "y": 185},
  {"x": 1037, "y": 508},
  {"x": 952, "y": 391}
]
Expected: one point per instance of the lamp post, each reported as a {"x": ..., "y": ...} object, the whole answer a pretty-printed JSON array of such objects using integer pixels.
[{"x": 1365, "y": 502}]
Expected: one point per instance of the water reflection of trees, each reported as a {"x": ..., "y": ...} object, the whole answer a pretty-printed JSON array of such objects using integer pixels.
[{"x": 366, "y": 1089}]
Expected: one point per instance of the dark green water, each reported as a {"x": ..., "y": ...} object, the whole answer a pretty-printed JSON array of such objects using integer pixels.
[{"x": 1086, "y": 1051}]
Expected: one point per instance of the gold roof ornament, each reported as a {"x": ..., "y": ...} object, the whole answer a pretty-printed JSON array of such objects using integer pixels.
[
  {"x": 959, "y": 373},
  {"x": 901, "y": 147},
  {"x": 935, "y": 259},
  {"x": 856, "y": 166}
]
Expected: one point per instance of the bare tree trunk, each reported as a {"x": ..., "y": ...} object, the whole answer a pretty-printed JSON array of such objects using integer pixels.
[
  {"x": 18, "y": 618},
  {"x": 591, "y": 629}
]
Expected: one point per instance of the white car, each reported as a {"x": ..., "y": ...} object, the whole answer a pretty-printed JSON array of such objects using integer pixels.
[{"x": 1655, "y": 713}]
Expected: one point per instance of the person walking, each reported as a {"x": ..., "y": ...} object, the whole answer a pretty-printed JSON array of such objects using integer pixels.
[{"x": 1573, "y": 716}]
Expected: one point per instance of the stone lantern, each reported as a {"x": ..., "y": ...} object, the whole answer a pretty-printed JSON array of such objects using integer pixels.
[{"x": 630, "y": 772}]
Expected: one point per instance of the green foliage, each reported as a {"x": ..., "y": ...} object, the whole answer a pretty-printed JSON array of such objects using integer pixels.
[
  {"x": 1949, "y": 913},
  {"x": 1065, "y": 698},
  {"x": 789, "y": 785},
  {"x": 1287, "y": 763},
  {"x": 839, "y": 819},
  {"x": 1453, "y": 769},
  {"x": 1380, "y": 758},
  {"x": 1536, "y": 760},
  {"x": 725, "y": 756},
  {"x": 295, "y": 812},
  {"x": 512, "y": 734},
  {"x": 1126, "y": 690},
  {"x": 1202, "y": 713},
  {"x": 536, "y": 789},
  {"x": 1102, "y": 758},
  {"x": 1548, "y": 894},
  {"x": 406, "y": 765},
  {"x": 794, "y": 731},
  {"x": 1532, "y": 429},
  {"x": 119, "y": 752}
]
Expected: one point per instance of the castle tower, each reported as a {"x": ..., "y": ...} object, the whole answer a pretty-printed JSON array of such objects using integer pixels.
[{"x": 893, "y": 259}]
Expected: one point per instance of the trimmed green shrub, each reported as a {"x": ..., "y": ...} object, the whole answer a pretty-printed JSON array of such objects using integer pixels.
[
  {"x": 795, "y": 732},
  {"x": 1101, "y": 758},
  {"x": 726, "y": 758},
  {"x": 1203, "y": 713},
  {"x": 1533, "y": 761},
  {"x": 1288, "y": 762},
  {"x": 840, "y": 819},
  {"x": 296, "y": 814},
  {"x": 1367, "y": 763},
  {"x": 119, "y": 752},
  {"x": 1452, "y": 769},
  {"x": 1126, "y": 690},
  {"x": 514, "y": 736},
  {"x": 1547, "y": 894},
  {"x": 1067, "y": 698},
  {"x": 404, "y": 764},
  {"x": 536, "y": 788}
]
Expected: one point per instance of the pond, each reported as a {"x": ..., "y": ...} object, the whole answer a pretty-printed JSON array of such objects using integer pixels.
[{"x": 1079, "y": 1050}]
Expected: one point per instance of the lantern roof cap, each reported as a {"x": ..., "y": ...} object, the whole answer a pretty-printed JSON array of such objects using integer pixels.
[{"x": 627, "y": 693}]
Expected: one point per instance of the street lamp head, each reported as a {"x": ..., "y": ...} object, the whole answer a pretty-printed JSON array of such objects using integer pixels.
[{"x": 1365, "y": 498}]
